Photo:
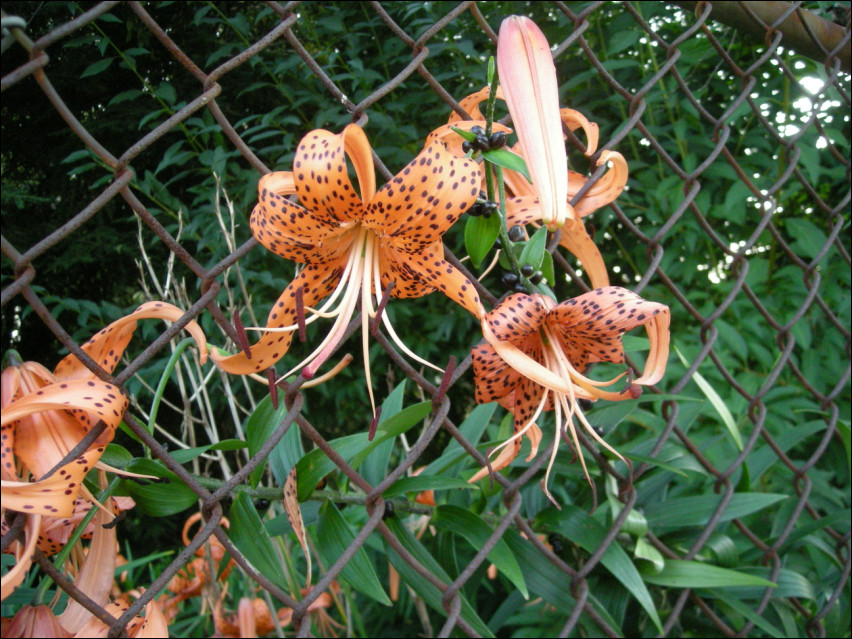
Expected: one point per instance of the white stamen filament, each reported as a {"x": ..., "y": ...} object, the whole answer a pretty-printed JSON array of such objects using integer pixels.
[
  {"x": 526, "y": 426},
  {"x": 389, "y": 327},
  {"x": 344, "y": 310},
  {"x": 557, "y": 362},
  {"x": 355, "y": 284}
]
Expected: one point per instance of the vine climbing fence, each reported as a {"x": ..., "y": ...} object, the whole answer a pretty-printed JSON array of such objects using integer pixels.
[{"x": 133, "y": 138}]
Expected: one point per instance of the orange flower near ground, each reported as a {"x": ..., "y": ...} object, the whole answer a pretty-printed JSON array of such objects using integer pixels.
[
  {"x": 356, "y": 245},
  {"x": 537, "y": 351},
  {"x": 45, "y": 415}
]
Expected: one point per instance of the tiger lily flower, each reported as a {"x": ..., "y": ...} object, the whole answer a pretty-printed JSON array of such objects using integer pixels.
[
  {"x": 46, "y": 414},
  {"x": 356, "y": 245},
  {"x": 529, "y": 86},
  {"x": 536, "y": 352}
]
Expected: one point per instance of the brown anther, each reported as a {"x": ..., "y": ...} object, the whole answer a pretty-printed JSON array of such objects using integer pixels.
[
  {"x": 374, "y": 424},
  {"x": 242, "y": 338},
  {"x": 374, "y": 327},
  {"x": 300, "y": 313},
  {"x": 273, "y": 388},
  {"x": 445, "y": 382}
]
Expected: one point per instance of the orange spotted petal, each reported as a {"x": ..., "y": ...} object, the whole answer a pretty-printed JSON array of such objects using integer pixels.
[
  {"x": 54, "y": 496},
  {"x": 495, "y": 379},
  {"x": 316, "y": 281},
  {"x": 425, "y": 199},
  {"x": 47, "y": 424},
  {"x": 321, "y": 176},
  {"x": 108, "y": 345},
  {"x": 590, "y": 328},
  {"x": 446, "y": 278},
  {"x": 522, "y": 362},
  {"x": 292, "y": 231},
  {"x": 528, "y": 80},
  {"x": 517, "y": 319}
]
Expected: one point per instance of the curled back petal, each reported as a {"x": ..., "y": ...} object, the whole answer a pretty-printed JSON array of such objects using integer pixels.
[
  {"x": 471, "y": 104},
  {"x": 425, "y": 199},
  {"x": 289, "y": 229},
  {"x": 54, "y": 496},
  {"x": 605, "y": 190},
  {"x": 23, "y": 557},
  {"x": 575, "y": 238},
  {"x": 51, "y": 421},
  {"x": 107, "y": 347},
  {"x": 590, "y": 328},
  {"x": 316, "y": 281},
  {"x": 575, "y": 120},
  {"x": 322, "y": 178}
]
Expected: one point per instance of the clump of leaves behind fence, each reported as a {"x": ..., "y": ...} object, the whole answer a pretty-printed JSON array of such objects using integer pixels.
[{"x": 735, "y": 215}]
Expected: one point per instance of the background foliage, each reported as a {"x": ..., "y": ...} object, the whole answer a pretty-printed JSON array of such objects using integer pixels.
[{"x": 735, "y": 216}]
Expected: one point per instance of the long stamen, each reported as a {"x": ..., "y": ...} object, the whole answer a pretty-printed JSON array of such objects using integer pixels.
[
  {"x": 367, "y": 311},
  {"x": 526, "y": 427},
  {"x": 377, "y": 282},
  {"x": 346, "y": 308},
  {"x": 354, "y": 258}
]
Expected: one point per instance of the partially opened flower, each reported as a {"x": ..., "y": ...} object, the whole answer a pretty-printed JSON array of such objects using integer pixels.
[
  {"x": 537, "y": 352},
  {"x": 528, "y": 85},
  {"x": 357, "y": 245}
]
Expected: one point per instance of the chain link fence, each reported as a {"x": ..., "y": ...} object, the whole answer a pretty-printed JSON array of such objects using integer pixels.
[{"x": 756, "y": 254}]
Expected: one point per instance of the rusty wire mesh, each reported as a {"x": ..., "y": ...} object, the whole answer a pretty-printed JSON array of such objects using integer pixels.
[{"x": 22, "y": 264}]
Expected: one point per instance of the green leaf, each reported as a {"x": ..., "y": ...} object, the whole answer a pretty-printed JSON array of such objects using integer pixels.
[
  {"x": 471, "y": 428},
  {"x": 430, "y": 594},
  {"x": 534, "y": 249},
  {"x": 183, "y": 455},
  {"x": 116, "y": 455},
  {"x": 158, "y": 499},
  {"x": 258, "y": 429},
  {"x": 334, "y": 536},
  {"x": 374, "y": 468},
  {"x": 748, "y": 612},
  {"x": 354, "y": 448},
  {"x": 249, "y": 535},
  {"x": 479, "y": 236},
  {"x": 545, "y": 579},
  {"x": 508, "y": 160},
  {"x": 468, "y": 525},
  {"x": 426, "y": 482},
  {"x": 646, "y": 552},
  {"x": 681, "y": 512},
  {"x": 692, "y": 574},
  {"x": 718, "y": 403},
  {"x": 97, "y": 67},
  {"x": 585, "y": 531}
]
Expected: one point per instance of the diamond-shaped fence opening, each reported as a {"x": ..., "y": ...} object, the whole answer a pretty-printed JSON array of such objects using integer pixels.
[{"x": 133, "y": 138}]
